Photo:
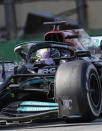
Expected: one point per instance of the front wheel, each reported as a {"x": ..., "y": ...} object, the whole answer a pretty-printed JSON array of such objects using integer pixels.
[{"x": 80, "y": 81}]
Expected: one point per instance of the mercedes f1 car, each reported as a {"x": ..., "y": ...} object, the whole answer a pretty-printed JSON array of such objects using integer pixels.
[{"x": 64, "y": 86}]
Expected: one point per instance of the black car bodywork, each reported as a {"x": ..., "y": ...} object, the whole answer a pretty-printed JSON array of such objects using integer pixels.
[{"x": 70, "y": 88}]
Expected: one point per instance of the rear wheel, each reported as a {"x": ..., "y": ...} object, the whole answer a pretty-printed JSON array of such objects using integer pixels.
[{"x": 81, "y": 82}]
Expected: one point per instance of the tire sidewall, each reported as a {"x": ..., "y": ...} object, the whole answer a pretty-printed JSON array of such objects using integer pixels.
[{"x": 91, "y": 70}]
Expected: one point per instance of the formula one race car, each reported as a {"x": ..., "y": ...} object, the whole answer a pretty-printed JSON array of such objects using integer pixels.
[{"x": 59, "y": 77}]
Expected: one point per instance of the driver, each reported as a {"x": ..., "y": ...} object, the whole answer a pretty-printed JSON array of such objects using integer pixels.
[{"x": 46, "y": 55}]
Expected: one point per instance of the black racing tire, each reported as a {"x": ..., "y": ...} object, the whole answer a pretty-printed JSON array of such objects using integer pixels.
[{"x": 80, "y": 79}]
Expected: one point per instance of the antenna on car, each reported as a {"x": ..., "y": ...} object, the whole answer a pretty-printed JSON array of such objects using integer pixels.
[
  {"x": 3, "y": 68},
  {"x": 56, "y": 24}
]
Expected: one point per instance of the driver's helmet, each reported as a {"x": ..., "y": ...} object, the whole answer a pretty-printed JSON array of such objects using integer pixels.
[{"x": 46, "y": 55}]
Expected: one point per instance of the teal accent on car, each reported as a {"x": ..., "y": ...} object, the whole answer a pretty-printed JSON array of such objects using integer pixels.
[
  {"x": 36, "y": 109},
  {"x": 97, "y": 42},
  {"x": 5, "y": 94},
  {"x": 37, "y": 103},
  {"x": 32, "y": 82},
  {"x": 36, "y": 81}
]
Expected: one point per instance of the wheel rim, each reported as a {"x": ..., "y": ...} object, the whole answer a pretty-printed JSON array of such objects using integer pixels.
[{"x": 94, "y": 92}]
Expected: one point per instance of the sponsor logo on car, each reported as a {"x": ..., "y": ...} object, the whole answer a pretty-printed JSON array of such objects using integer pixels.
[{"x": 47, "y": 71}]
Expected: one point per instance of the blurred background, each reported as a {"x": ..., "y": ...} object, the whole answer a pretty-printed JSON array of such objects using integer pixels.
[{"x": 22, "y": 20}]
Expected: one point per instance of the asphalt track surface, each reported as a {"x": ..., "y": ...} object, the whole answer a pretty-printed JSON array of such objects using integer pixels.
[{"x": 56, "y": 126}]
